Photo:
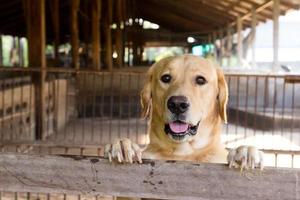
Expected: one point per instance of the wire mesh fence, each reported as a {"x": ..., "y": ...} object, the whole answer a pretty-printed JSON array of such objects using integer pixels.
[{"x": 86, "y": 109}]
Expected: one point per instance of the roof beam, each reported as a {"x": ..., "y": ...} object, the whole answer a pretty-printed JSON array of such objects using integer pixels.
[
  {"x": 219, "y": 5},
  {"x": 289, "y": 4},
  {"x": 233, "y": 13},
  {"x": 238, "y": 9},
  {"x": 257, "y": 10},
  {"x": 236, "y": 5},
  {"x": 150, "y": 10},
  {"x": 208, "y": 9},
  {"x": 175, "y": 10},
  {"x": 196, "y": 12}
]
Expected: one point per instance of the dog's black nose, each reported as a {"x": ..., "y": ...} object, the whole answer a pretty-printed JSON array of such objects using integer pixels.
[{"x": 178, "y": 104}]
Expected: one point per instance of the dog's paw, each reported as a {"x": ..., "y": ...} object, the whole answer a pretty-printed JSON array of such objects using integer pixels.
[
  {"x": 246, "y": 157},
  {"x": 123, "y": 150}
]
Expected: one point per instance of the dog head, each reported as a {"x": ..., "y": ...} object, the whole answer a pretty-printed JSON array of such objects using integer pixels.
[{"x": 181, "y": 93}]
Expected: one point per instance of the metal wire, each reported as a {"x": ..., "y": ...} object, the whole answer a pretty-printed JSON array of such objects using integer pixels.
[{"x": 102, "y": 106}]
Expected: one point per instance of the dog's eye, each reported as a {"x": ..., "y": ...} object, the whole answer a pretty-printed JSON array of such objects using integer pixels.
[
  {"x": 200, "y": 80},
  {"x": 166, "y": 78}
]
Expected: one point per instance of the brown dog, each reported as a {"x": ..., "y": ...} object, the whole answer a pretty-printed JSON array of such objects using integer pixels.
[{"x": 184, "y": 99}]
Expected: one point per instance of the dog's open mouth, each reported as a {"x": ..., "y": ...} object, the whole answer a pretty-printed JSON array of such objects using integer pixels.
[{"x": 178, "y": 129}]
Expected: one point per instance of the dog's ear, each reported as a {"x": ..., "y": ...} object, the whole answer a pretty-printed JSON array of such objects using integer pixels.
[
  {"x": 146, "y": 95},
  {"x": 222, "y": 94}
]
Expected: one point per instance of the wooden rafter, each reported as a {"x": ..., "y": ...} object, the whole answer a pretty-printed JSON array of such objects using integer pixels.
[
  {"x": 199, "y": 14},
  {"x": 208, "y": 9},
  {"x": 174, "y": 12},
  {"x": 191, "y": 16},
  {"x": 257, "y": 10},
  {"x": 149, "y": 9}
]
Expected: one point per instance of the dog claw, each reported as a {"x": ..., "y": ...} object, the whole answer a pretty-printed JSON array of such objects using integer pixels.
[
  {"x": 124, "y": 151},
  {"x": 245, "y": 157}
]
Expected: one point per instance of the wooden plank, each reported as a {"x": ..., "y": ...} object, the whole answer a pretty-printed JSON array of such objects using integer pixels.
[
  {"x": 276, "y": 14},
  {"x": 240, "y": 40},
  {"x": 37, "y": 57},
  {"x": 292, "y": 79},
  {"x": 96, "y": 34},
  {"x": 153, "y": 179},
  {"x": 74, "y": 33}
]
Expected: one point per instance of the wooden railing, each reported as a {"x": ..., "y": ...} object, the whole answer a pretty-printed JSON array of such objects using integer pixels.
[{"x": 152, "y": 179}]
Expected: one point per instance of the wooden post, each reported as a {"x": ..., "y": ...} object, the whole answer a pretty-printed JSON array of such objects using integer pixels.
[
  {"x": 240, "y": 41},
  {"x": 209, "y": 39},
  {"x": 209, "y": 42},
  {"x": 37, "y": 58},
  {"x": 130, "y": 51},
  {"x": 108, "y": 40},
  {"x": 74, "y": 33},
  {"x": 253, "y": 36},
  {"x": 86, "y": 33},
  {"x": 124, "y": 17},
  {"x": 54, "y": 6},
  {"x": 96, "y": 34},
  {"x": 276, "y": 13},
  {"x": 134, "y": 52},
  {"x": 214, "y": 38},
  {"x": 119, "y": 34},
  {"x": 20, "y": 52},
  {"x": 1, "y": 51},
  {"x": 137, "y": 48},
  {"x": 141, "y": 51},
  {"x": 229, "y": 45},
  {"x": 221, "y": 47}
]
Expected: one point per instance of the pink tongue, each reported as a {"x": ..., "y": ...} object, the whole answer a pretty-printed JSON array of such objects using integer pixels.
[{"x": 178, "y": 127}]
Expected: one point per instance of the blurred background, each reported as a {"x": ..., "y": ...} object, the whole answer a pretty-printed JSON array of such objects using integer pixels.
[{"x": 71, "y": 70}]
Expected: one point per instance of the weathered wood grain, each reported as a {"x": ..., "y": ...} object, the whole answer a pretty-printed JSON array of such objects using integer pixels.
[
  {"x": 155, "y": 179},
  {"x": 36, "y": 34}
]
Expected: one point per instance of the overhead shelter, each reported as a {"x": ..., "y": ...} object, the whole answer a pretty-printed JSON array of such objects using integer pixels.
[{"x": 109, "y": 27}]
